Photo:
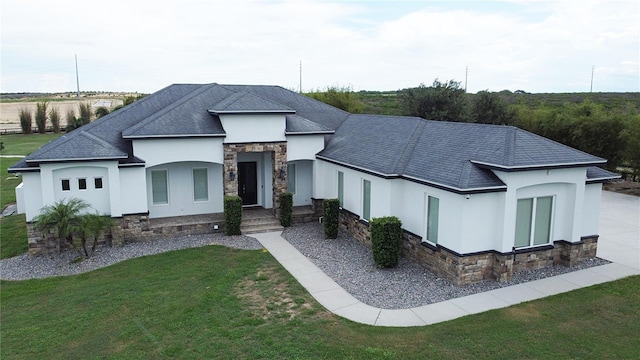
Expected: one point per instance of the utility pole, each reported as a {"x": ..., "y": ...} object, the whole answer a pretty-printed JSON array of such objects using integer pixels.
[
  {"x": 300, "y": 89},
  {"x": 77, "y": 79},
  {"x": 466, "y": 75},
  {"x": 591, "y": 88}
]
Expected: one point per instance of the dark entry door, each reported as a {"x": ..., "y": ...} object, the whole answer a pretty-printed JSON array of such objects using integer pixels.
[{"x": 248, "y": 182}]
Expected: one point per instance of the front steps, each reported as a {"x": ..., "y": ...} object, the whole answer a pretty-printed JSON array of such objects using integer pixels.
[{"x": 259, "y": 220}]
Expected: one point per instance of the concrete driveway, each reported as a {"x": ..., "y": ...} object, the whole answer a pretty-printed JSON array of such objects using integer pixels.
[{"x": 620, "y": 229}]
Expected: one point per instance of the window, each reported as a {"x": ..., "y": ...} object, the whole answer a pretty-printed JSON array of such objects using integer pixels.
[
  {"x": 341, "y": 188},
  {"x": 97, "y": 182},
  {"x": 291, "y": 178},
  {"x": 366, "y": 199},
  {"x": 433, "y": 215},
  {"x": 159, "y": 189},
  {"x": 200, "y": 185},
  {"x": 82, "y": 184},
  {"x": 66, "y": 185},
  {"x": 533, "y": 221}
]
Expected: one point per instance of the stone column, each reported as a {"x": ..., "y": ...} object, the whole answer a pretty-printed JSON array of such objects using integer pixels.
[
  {"x": 230, "y": 173},
  {"x": 279, "y": 178}
]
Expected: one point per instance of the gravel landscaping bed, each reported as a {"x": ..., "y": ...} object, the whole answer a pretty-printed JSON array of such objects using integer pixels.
[
  {"x": 24, "y": 267},
  {"x": 345, "y": 260},
  {"x": 351, "y": 265}
]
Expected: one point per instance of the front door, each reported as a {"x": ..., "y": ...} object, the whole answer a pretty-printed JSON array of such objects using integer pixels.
[{"x": 248, "y": 182}]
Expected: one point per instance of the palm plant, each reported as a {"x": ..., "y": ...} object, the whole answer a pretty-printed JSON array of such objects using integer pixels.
[
  {"x": 61, "y": 217},
  {"x": 91, "y": 226}
]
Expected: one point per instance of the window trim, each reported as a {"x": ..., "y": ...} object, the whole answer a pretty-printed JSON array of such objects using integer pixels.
[
  {"x": 166, "y": 173},
  {"x": 341, "y": 188},
  {"x": 95, "y": 183},
  {"x": 366, "y": 205},
  {"x": 427, "y": 212},
  {"x": 81, "y": 188},
  {"x": 62, "y": 182},
  {"x": 532, "y": 222},
  {"x": 193, "y": 180},
  {"x": 293, "y": 166}
]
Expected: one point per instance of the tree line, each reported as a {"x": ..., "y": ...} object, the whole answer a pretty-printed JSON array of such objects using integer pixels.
[{"x": 609, "y": 129}]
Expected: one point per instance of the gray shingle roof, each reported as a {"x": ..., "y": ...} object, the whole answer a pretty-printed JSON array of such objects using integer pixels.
[
  {"x": 456, "y": 156},
  {"x": 246, "y": 102},
  {"x": 299, "y": 125}
]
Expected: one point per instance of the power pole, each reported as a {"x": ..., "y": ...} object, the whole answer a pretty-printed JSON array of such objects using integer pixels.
[
  {"x": 77, "y": 79},
  {"x": 300, "y": 89},
  {"x": 591, "y": 88},
  {"x": 466, "y": 75}
]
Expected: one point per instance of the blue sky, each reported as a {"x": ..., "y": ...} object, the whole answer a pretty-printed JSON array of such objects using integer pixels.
[{"x": 536, "y": 46}]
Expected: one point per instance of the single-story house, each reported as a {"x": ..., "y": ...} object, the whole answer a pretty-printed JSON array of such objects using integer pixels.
[{"x": 476, "y": 201}]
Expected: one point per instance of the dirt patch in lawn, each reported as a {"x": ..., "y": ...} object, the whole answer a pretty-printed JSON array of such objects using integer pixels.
[{"x": 267, "y": 295}]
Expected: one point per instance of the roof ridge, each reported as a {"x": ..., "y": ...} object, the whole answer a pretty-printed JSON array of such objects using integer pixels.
[
  {"x": 99, "y": 140},
  {"x": 409, "y": 147},
  {"x": 167, "y": 109}
]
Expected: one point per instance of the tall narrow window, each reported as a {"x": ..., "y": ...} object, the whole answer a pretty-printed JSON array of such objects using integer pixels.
[
  {"x": 159, "y": 188},
  {"x": 66, "y": 185},
  {"x": 341, "y": 188},
  {"x": 433, "y": 215},
  {"x": 533, "y": 221},
  {"x": 82, "y": 184},
  {"x": 97, "y": 183},
  {"x": 291, "y": 178},
  {"x": 366, "y": 199},
  {"x": 200, "y": 185}
]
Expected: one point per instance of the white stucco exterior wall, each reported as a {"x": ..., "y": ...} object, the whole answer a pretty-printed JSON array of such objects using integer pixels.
[
  {"x": 32, "y": 198},
  {"x": 566, "y": 185},
  {"x": 304, "y": 182},
  {"x": 133, "y": 190},
  {"x": 248, "y": 128},
  {"x": 162, "y": 151},
  {"x": 591, "y": 209},
  {"x": 180, "y": 190},
  {"x": 304, "y": 147}
]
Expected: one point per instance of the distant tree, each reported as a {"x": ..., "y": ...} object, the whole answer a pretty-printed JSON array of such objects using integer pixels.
[
  {"x": 101, "y": 111},
  {"x": 489, "y": 108},
  {"x": 25, "y": 120},
  {"x": 54, "y": 116},
  {"x": 41, "y": 116},
  {"x": 128, "y": 100},
  {"x": 85, "y": 113},
  {"x": 72, "y": 121},
  {"x": 440, "y": 101},
  {"x": 631, "y": 134},
  {"x": 341, "y": 97}
]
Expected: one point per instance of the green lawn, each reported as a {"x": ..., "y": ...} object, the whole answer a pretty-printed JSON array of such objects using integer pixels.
[
  {"x": 221, "y": 303},
  {"x": 13, "y": 234}
]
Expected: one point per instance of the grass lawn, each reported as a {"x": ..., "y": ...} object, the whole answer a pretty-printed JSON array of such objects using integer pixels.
[
  {"x": 221, "y": 303},
  {"x": 13, "y": 233}
]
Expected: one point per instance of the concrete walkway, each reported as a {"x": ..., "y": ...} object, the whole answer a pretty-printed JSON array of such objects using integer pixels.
[{"x": 619, "y": 242}]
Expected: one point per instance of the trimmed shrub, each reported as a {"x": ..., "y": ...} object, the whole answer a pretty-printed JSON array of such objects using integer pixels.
[
  {"x": 41, "y": 116},
  {"x": 25, "y": 120},
  {"x": 232, "y": 215},
  {"x": 386, "y": 241},
  {"x": 331, "y": 217},
  {"x": 286, "y": 209}
]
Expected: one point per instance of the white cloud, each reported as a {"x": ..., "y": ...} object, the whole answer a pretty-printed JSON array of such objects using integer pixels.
[{"x": 146, "y": 45}]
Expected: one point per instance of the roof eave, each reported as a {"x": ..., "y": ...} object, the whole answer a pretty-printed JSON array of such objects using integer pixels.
[
  {"x": 603, "y": 179},
  {"x": 138, "y": 137},
  {"x": 322, "y": 132},
  {"x": 110, "y": 158},
  {"x": 537, "y": 167},
  {"x": 254, "y": 112}
]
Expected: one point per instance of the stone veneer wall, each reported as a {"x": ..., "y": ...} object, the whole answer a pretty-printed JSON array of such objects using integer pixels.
[
  {"x": 278, "y": 152},
  {"x": 462, "y": 269},
  {"x": 127, "y": 229}
]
